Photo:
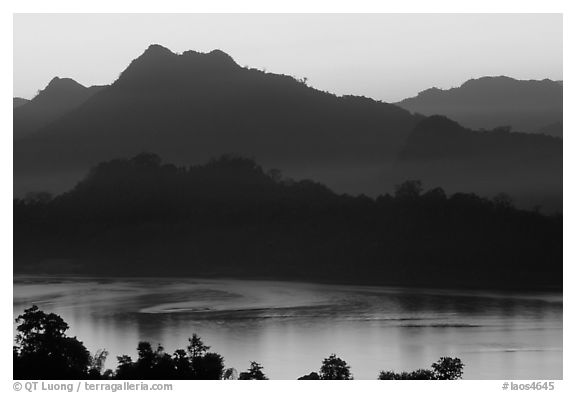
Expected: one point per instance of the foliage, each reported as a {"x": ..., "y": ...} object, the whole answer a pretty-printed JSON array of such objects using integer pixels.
[
  {"x": 410, "y": 189},
  {"x": 195, "y": 363},
  {"x": 44, "y": 351},
  {"x": 254, "y": 372},
  {"x": 404, "y": 375},
  {"x": 335, "y": 368},
  {"x": 127, "y": 214},
  {"x": 196, "y": 348},
  {"x": 446, "y": 368}
]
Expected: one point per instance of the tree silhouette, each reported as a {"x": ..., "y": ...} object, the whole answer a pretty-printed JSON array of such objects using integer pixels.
[
  {"x": 420, "y": 374},
  {"x": 97, "y": 361},
  {"x": 196, "y": 348},
  {"x": 253, "y": 373},
  {"x": 208, "y": 366},
  {"x": 125, "y": 368},
  {"x": 182, "y": 367},
  {"x": 335, "y": 368},
  {"x": 448, "y": 368},
  {"x": 410, "y": 189},
  {"x": 43, "y": 351}
]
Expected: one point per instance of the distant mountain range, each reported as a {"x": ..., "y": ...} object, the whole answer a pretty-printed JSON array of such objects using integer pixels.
[
  {"x": 192, "y": 106},
  {"x": 61, "y": 96},
  {"x": 533, "y": 106}
]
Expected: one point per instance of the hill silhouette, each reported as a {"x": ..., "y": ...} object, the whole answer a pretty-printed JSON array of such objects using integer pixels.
[
  {"x": 192, "y": 106},
  {"x": 489, "y": 102},
  {"x": 526, "y": 166},
  {"x": 232, "y": 218},
  {"x": 58, "y": 98},
  {"x": 18, "y": 101}
]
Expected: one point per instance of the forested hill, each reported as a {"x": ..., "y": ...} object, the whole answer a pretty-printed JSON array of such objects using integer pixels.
[
  {"x": 230, "y": 217},
  {"x": 192, "y": 106}
]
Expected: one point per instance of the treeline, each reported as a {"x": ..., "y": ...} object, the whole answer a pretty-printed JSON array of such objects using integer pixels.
[
  {"x": 230, "y": 217},
  {"x": 44, "y": 351}
]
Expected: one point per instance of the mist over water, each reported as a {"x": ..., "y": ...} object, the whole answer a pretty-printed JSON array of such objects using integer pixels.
[{"x": 290, "y": 327}]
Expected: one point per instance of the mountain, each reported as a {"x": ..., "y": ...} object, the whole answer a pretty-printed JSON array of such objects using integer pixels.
[
  {"x": 526, "y": 166},
  {"x": 58, "y": 98},
  {"x": 231, "y": 218},
  {"x": 189, "y": 107},
  {"x": 489, "y": 102},
  {"x": 19, "y": 101},
  {"x": 192, "y": 106}
]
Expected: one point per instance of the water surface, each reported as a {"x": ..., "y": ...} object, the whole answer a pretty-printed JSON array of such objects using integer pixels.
[{"x": 290, "y": 327}]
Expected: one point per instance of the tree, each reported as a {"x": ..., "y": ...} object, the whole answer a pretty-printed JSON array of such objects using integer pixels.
[
  {"x": 147, "y": 160},
  {"x": 335, "y": 368},
  {"x": 445, "y": 368},
  {"x": 196, "y": 348},
  {"x": 208, "y": 366},
  {"x": 448, "y": 368},
  {"x": 43, "y": 351},
  {"x": 503, "y": 201},
  {"x": 146, "y": 357},
  {"x": 182, "y": 367},
  {"x": 253, "y": 373},
  {"x": 436, "y": 194},
  {"x": 410, "y": 189},
  {"x": 125, "y": 368},
  {"x": 275, "y": 175},
  {"x": 97, "y": 363},
  {"x": 420, "y": 374}
]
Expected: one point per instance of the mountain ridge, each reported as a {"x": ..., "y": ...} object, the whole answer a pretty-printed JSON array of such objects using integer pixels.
[
  {"x": 58, "y": 98},
  {"x": 192, "y": 106},
  {"x": 125, "y": 215},
  {"x": 489, "y": 102}
]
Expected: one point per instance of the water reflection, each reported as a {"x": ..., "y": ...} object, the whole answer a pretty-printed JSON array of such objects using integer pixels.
[{"x": 291, "y": 327}]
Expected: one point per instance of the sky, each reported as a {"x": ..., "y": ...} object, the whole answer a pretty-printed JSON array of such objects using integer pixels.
[{"x": 384, "y": 56}]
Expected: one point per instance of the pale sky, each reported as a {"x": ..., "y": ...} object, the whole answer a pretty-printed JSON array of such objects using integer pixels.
[{"x": 384, "y": 56}]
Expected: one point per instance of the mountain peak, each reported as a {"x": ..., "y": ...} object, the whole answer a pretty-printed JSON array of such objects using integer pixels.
[
  {"x": 500, "y": 81},
  {"x": 159, "y": 65},
  {"x": 219, "y": 54},
  {"x": 63, "y": 83},
  {"x": 60, "y": 88},
  {"x": 215, "y": 57},
  {"x": 157, "y": 50}
]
